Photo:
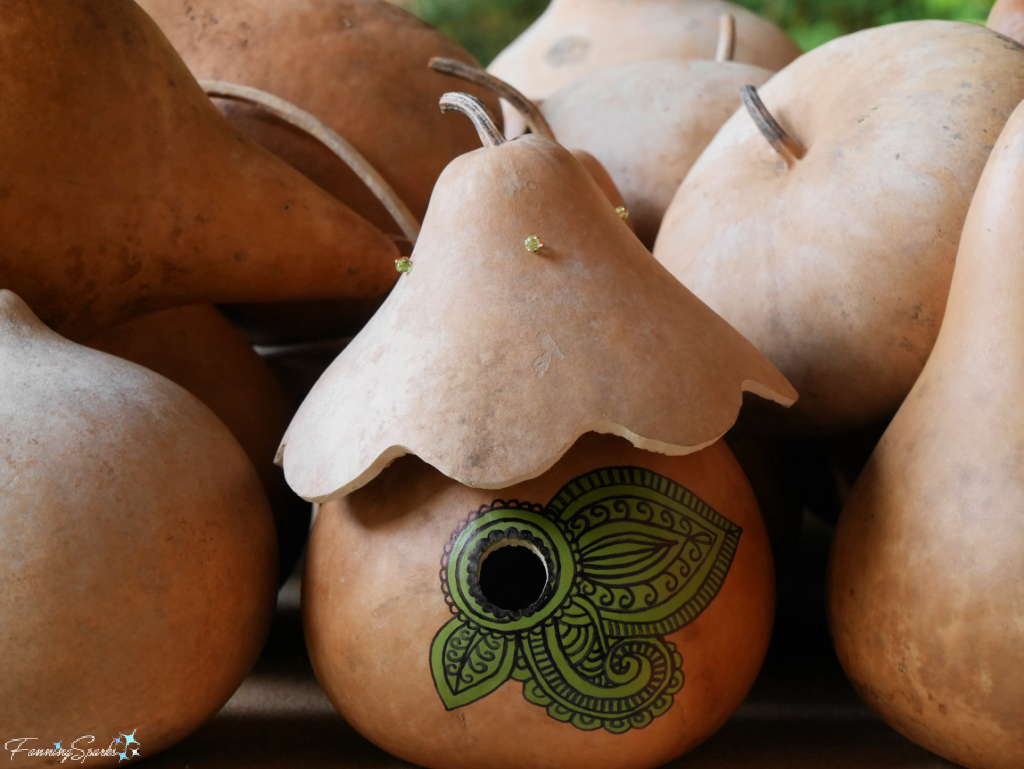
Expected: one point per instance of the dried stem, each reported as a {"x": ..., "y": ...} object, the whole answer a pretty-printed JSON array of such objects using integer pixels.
[
  {"x": 726, "y": 38},
  {"x": 784, "y": 145},
  {"x": 329, "y": 138},
  {"x": 530, "y": 112},
  {"x": 474, "y": 109}
]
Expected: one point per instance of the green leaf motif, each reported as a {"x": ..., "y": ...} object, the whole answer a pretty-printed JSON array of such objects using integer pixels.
[
  {"x": 469, "y": 662},
  {"x": 631, "y": 556},
  {"x": 633, "y": 678},
  {"x": 652, "y": 555}
]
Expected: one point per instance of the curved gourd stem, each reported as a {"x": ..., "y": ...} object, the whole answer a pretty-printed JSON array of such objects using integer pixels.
[
  {"x": 474, "y": 109},
  {"x": 726, "y": 38},
  {"x": 784, "y": 145},
  {"x": 329, "y": 138},
  {"x": 530, "y": 112}
]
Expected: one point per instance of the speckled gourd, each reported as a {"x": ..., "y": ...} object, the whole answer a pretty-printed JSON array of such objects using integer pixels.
[{"x": 926, "y": 577}]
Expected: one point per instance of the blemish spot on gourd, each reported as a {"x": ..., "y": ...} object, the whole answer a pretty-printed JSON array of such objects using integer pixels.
[
  {"x": 571, "y": 49},
  {"x": 517, "y": 180},
  {"x": 543, "y": 362}
]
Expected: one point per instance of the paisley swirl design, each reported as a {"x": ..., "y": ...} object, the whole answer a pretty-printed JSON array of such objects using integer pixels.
[{"x": 630, "y": 555}]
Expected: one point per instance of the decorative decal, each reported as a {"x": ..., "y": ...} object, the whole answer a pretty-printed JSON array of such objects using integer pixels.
[{"x": 628, "y": 556}]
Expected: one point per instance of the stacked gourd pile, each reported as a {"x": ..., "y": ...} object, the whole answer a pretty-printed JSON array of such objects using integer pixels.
[{"x": 533, "y": 546}]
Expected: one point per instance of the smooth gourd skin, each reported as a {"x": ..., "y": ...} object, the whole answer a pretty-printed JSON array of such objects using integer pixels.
[
  {"x": 838, "y": 268},
  {"x": 1007, "y": 18},
  {"x": 361, "y": 67},
  {"x": 647, "y": 123},
  {"x": 926, "y": 580},
  {"x": 488, "y": 360},
  {"x": 198, "y": 349},
  {"x": 125, "y": 192},
  {"x": 373, "y": 602},
  {"x": 574, "y": 37},
  {"x": 138, "y": 562},
  {"x": 358, "y": 65}
]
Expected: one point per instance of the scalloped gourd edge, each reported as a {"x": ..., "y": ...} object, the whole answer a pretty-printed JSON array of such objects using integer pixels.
[{"x": 389, "y": 455}]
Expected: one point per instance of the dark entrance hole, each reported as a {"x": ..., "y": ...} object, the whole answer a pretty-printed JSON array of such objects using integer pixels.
[{"x": 512, "y": 577}]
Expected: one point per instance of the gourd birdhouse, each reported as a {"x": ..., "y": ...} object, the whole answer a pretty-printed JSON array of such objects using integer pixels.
[{"x": 533, "y": 548}]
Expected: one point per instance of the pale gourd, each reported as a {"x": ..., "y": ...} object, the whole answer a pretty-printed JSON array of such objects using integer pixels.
[
  {"x": 138, "y": 562},
  {"x": 926, "y": 578},
  {"x": 825, "y": 228}
]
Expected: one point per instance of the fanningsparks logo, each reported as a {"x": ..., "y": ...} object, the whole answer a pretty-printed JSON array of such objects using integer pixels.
[{"x": 124, "y": 747}]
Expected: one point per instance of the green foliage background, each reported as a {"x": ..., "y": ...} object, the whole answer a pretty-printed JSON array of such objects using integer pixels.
[{"x": 487, "y": 26}]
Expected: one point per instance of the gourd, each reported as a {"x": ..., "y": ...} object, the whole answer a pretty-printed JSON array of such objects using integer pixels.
[
  {"x": 138, "y": 562},
  {"x": 125, "y": 192},
  {"x": 574, "y": 37},
  {"x": 1007, "y": 18},
  {"x": 356, "y": 65},
  {"x": 822, "y": 221},
  {"x": 647, "y": 123},
  {"x": 926, "y": 576},
  {"x": 636, "y": 602},
  {"x": 198, "y": 349}
]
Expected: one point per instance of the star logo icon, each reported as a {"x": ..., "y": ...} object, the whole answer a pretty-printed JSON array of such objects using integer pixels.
[
  {"x": 117, "y": 741},
  {"x": 56, "y": 745},
  {"x": 135, "y": 752},
  {"x": 122, "y": 757},
  {"x": 129, "y": 739}
]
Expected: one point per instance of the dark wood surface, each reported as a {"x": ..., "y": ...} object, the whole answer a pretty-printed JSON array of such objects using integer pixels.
[{"x": 801, "y": 713}]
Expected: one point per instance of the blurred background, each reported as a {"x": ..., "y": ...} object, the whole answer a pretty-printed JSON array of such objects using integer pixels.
[{"x": 487, "y": 26}]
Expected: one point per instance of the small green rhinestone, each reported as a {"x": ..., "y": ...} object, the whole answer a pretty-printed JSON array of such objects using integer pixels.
[
  {"x": 404, "y": 264},
  {"x": 534, "y": 244},
  {"x": 623, "y": 212}
]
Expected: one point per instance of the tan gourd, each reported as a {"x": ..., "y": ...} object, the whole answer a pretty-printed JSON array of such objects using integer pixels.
[
  {"x": 1007, "y": 18},
  {"x": 357, "y": 65},
  {"x": 480, "y": 310},
  {"x": 373, "y": 603},
  {"x": 137, "y": 552},
  {"x": 574, "y": 37},
  {"x": 196, "y": 348},
  {"x": 926, "y": 580},
  {"x": 124, "y": 191},
  {"x": 534, "y": 119},
  {"x": 832, "y": 249},
  {"x": 647, "y": 123},
  {"x": 634, "y": 605}
]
